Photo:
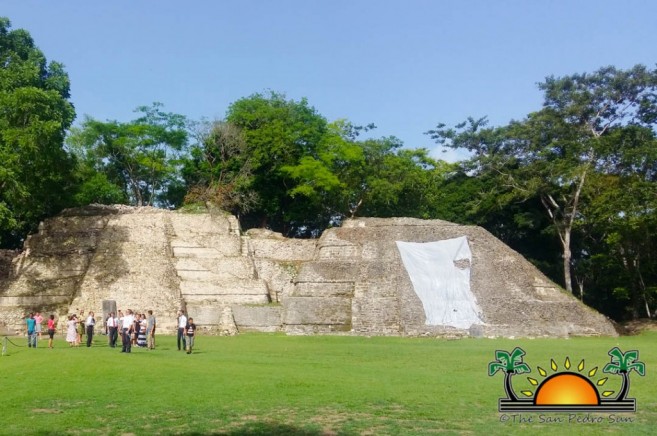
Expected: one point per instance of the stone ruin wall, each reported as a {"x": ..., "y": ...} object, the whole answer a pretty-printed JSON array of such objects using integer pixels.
[{"x": 349, "y": 281}]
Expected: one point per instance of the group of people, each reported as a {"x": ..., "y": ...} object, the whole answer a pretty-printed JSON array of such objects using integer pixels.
[
  {"x": 76, "y": 328},
  {"x": 186, "y": 332},
  {"x": 34, "y": 323},
  {"x": 136, "y": 329}
]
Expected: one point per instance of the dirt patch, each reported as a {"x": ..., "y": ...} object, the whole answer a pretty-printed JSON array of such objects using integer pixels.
[
  {"x": 637, "y": 326},
  {"x": 46, "y": 411}
]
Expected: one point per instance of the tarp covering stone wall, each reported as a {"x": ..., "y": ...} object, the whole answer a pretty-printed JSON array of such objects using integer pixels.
[{"x": 440, "y": 273}]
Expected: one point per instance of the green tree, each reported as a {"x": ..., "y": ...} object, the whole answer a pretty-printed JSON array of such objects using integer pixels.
[
  {"x": 552, "y": 153},
  {"x": 140, "y": 157},
  {"x": 371, "y": 177},
  {"x": 218, "y": 170},
  {"x": 278, "y": 133},
  {"x": 620, "y": 226},
  {"x": 36, "y": 172}
]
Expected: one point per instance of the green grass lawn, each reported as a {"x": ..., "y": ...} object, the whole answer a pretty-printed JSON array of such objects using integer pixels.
[{"x": 261, "y": 384}]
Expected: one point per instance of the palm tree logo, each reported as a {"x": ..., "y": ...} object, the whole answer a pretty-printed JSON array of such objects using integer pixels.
[
  {"x": 624, "y": 363},
  {"x": 511, "y": 364},
  {"x": 572, "y": 389}
]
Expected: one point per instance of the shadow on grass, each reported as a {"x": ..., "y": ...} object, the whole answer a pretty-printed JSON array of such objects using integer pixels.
[{"x": 271, "y": 429}]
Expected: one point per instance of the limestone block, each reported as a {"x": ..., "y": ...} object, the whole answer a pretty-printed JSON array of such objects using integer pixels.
[
  {"x": 226, "y": 299},
  {"x": 28, "y": 286},
  {"x": 62, "y": 244},
  {"x": 72, "y": 224},
  {"x": 222, "y": 268},
  {"x": 204, "y": 314},
  {"x": 382, "y": 251},
  {"x": 208, "y": 246},
  {"x": 34, "y": 300},
  {"x": 381, "y": 271},
  {"x": 278, "y": 275},
  {"x": 323, "y": 289},
  {"x": 257, "y": 318},
  {"x": 317, "y": 310},
  {"x": 202, "y": 223},
  {"x": 231, "y": 287},
  {"x": 282, "y": 249},
  {"x": 376, "y": 315},
  {"x": 377, "y": 289},
  {"x": 328, "y": 272},
  {"x": 195, "y": 252},
  {"x": 54, "y": 267},
  {"x": 197, "y": 276},
  {"x": 338, "y": 252}
]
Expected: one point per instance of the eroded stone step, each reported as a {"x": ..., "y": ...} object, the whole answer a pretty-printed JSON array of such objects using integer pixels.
[{"x": 234, "y": 287}]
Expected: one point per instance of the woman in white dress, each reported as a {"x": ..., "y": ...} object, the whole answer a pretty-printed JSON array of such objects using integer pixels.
[{"x": 72, "y": 331}]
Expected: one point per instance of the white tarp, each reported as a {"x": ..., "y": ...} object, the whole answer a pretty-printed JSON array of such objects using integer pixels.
[{"x": 443, "y": 287}]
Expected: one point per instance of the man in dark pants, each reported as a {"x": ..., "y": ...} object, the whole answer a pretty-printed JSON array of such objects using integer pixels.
[
  {"x": 182, "y": 324},
  {"x": 127, "y": 326},
  {"x": 112, "y": 329},
  {"x": 90, "y": 323}
]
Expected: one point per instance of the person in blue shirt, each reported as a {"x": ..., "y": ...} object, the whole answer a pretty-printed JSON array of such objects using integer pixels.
[{"x": 31, "y": 331}]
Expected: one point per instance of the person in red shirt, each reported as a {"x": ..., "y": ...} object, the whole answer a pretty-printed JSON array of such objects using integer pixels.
[{"x": 51, "y": 330}]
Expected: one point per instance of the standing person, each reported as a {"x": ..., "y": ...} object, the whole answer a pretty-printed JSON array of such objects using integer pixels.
[
  {"x": 39, "y": 321},
  {"x": 127, "y": 325},
  {"x": 90, "y": 323},
  {"x": 80, "y": 320},
  {"x": 150, "y": 330},
  {"x": 141, "y": 337},
  {"x": 72, "y": 331},
  {"x": 136, "y": 328},
  {"x": 112, "y": 329},
  {"x": 182, "y": 323},
  {"x": 190, "y": 331},
  {"x": 51, "y": 330},
  {"x": 31, "y": 333}
]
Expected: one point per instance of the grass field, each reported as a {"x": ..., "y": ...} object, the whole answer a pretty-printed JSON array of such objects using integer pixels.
[{"x": 259, "y": 384}]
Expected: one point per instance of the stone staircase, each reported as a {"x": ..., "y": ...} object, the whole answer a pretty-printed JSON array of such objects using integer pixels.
[{"x": 214, "y": 269}]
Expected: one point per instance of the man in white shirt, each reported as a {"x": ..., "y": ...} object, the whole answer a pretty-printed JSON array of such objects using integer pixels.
[
  {"x": 182, "y": 324},
  {"x": 90, "y": 323},
  {"x": 127, "y": 326},
  {"x": 112, "y": 329}
]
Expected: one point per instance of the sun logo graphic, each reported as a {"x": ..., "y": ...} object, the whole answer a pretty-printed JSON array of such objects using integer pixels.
[{"x": 571, "y": 389}]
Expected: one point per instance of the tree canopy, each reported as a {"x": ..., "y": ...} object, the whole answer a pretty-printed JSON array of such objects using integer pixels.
[
  {"x": 572, "y": 185},
  {"x": 134, "y": 161},
  {"x": 593, "y": 128},
  {"x": 36, "y": 172}
]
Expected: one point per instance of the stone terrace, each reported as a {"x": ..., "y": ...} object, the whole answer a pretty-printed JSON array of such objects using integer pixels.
[{"x": 350, "y": 281}]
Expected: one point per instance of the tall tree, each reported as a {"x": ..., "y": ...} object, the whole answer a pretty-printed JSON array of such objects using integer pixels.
[
  {"x": 552, "y": 153},
  {"x": 620, "y": 225},
  {"x": 36, "y": 172},
  {"x": 140, "y": 157},
  {"x": 218, "y": 170},
  {"x": 278, "y": 133}
]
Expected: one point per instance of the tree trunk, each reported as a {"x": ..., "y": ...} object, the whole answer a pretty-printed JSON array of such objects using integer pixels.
[
  {"x": 567, "y": 257},
  {"x": 507, "y": 386},
  {"x": 625, "y": 386}
]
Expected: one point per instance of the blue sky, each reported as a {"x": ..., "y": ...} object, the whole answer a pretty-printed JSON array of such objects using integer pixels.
[{"x": 403, "y": 65}]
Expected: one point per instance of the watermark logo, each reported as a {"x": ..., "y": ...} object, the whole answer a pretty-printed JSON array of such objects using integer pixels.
[{"x": 570, "y": 388}]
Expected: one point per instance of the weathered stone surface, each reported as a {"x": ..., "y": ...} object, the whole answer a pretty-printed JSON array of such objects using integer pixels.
[
  {"x": 265, "y": 244},
  {"x": 334, "y": 311},
  {"x": 349, "y": 281},
  {"x": 279, "y": 276},
  {"x": 257, "y": 318}
]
